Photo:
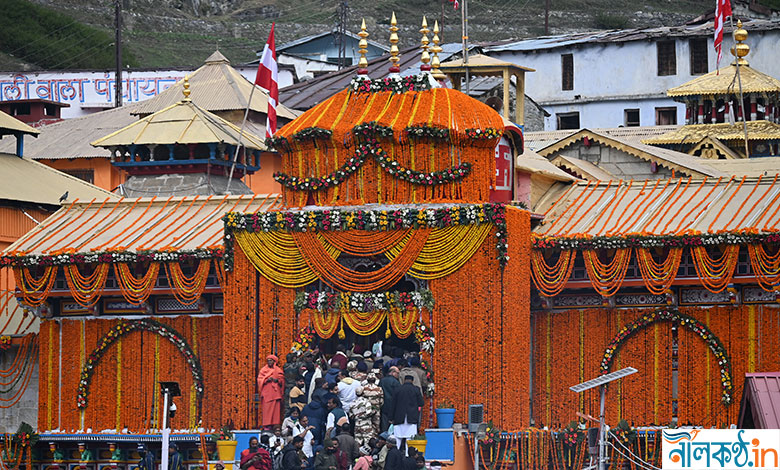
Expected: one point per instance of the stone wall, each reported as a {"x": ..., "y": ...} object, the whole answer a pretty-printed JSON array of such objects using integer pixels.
[
  {"x": 26, "y": 409},
  {"x": 618, "y": 163}
]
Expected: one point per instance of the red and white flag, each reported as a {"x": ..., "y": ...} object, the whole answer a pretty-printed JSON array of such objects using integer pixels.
[
  {"x": 722, "y": 11},
  {"x": 268, "y": 78},
  {"x": 455, "y": 3}
]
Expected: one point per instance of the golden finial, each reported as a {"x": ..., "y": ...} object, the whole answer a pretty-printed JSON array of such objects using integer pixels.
[
  {"x": 186, "y": 90},
  {"x": 424, "y": 46},
  {"x": 394, "y": 59},
  {"x": 740, "y": 49},
  {"x": 363, "y": 49},
  {"x": 436, "y": 48}
]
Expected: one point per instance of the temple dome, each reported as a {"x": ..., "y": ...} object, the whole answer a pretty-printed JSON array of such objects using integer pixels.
[{"x": 402, "y": 140}]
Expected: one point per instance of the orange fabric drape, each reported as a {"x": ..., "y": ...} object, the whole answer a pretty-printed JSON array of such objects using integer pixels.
[{"x": 339, "y": 277}]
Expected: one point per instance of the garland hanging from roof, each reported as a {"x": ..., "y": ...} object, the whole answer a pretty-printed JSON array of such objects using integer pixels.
[
  {"x": 368, "y": 220},
  {"x": 421, "y": 82}
]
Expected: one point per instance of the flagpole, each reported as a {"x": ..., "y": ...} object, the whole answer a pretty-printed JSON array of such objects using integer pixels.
[
  {"x": 741, "y": 98},
  {"x": 240, "y": 135}
]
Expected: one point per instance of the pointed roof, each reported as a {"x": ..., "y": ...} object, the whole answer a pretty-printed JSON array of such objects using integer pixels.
[
  {"x": 181, "y": 123},
  {"x": 482, "y": 64},
  {"x": 11, "y": 125},
  {"x": 724, "y": 81},
  {"x": 216, "y": 86}
]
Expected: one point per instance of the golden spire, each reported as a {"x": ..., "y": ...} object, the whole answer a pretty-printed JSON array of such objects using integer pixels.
[
  {"x": 740, "y": 49},
  {"x": 363, "y": 49},
  {"x": 425, "y": 58},
  {"x": 186, "y": 90},
  {"x": 437, "y": 74},
  {"x": 394, "y": 59}
]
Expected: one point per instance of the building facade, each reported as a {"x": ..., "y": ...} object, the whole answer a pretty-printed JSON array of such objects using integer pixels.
[{"x": 620, "y": 78}]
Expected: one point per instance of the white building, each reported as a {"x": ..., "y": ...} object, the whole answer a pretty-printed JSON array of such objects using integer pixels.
[{"x": 620, "y": 78}]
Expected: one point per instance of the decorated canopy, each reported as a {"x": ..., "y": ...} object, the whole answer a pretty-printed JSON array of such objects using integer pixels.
[{"x": 395, "y": 140}]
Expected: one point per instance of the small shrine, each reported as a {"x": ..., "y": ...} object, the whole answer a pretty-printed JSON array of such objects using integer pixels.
[
  {"x": 183, "y": 149},
  {"x": 716, "y": 122}
]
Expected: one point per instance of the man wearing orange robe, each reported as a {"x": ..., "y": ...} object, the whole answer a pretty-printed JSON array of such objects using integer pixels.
[{"x": 270, "y": 382}]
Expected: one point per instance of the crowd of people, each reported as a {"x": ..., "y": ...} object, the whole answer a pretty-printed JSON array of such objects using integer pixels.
[{"x": 354, "y": 409}]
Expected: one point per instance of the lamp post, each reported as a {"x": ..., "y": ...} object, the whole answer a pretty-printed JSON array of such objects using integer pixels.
[{"x": 169, "y": 390}]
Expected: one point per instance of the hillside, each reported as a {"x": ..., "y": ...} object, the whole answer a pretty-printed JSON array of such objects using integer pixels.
[{"x": 160, "y": 33}]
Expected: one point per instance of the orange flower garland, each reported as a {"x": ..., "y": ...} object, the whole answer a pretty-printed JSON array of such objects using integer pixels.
[
  {"x": 550, "y": 280},
  {"x": 362, "y": 242},
  {"x": 188, "y": 290},
  {"x": 136, "y": 290},
  {"x": 86, "y": 290},
  {"x": 715, "y": 274},
  {"x": 35, "y": 291},
  {"x": 766, "y": 267},
  {"x": 607, "y": 278},
  {"x": 658, "y": 277}
]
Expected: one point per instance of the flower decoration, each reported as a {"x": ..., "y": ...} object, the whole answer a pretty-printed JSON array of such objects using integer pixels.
[
  {"x": 687, "y": 321},
  {"x": 372, "y": 129},
  {"x": 5, "y": 342},
  {"x": 483, "y": 134},
  {"x": 395, "y": 84},
  {"x": 25, "y": 436},
  {"x": 426, "y": 132},
  {"x": 277, "y": 142},
  {"x": 424, "y": 338},
  {"x": 492, "y": 435},
  {"x": 586, "y": 242},
  {"x": 94, "y": 257},
  {"x": 312, "y": 133},
  {"x": 125, "y": 327},
  {"x": 304, "y": 339},
  {"x": 328, "y": 301},
  {"x": 369, "y": 220},
  {"x": 223, "y": 434}
]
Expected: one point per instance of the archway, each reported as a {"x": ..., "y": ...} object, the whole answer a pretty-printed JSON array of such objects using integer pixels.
[
  {"x": 712, "y": 341},
  {"x": 122, "y": 329}
]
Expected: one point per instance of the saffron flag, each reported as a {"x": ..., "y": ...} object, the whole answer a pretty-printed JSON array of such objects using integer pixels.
[
  {"x": 268, "y": 78},
  {"x": 722, "y": 10}
]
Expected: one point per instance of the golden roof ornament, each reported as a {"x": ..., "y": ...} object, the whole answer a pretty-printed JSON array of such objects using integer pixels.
[
  {"x": 425, "y": 58},
  {"x": 436, "y": 48},
  {"x": 740, "y": 49},
  {"x": 363, "y": 49},
  {"x": 394, "y": 59},
  {"x": 186, "y": 89}
]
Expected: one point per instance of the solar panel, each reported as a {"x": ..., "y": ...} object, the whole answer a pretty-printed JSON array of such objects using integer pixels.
[{"x": 618, "y": 374}]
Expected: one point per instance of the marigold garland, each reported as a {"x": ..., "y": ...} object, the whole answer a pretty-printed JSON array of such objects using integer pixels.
[
  {"x": 658, "y": 277},
  {"x": 326, "y": 301},
  {"x": 715, "y": 274},
  {"x": 649, "y": 318},
  {"x": 35, "y": 291},
  {"x": 765, "y": 266},
  {"x": 550, "y": 280},
  {"x": 86, "y": 290},
  {"x": 188, "y": 289},
  {"x": 125, "y": 327},
  {"x": 607, "y": 278},
  {"x": 136, "y": 290}
]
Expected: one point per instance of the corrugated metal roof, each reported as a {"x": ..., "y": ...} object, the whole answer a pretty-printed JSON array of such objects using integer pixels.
[
  {"x": 540, "y": 139},
  {"x": 754, "y": 167},
  {"x": 678, "y": 161},
  {"x": 312, "y": 37},
  {"x": 761, "y": 398},
  {"x": 622, "y": 35},
  {"x": 181, "y": 123},
  {"x": 11, "y": 125},
  {"x": 13, "y": 321},
  {"x": 216, "y": 86},
  {"x": 26, "y": 180},
  {"x": 534, "y": 163},
  {"x": 693, "y": 133},
  {"x": 664, "y": 207},
  {"x": 143, "y": 224},
  {"x": 70, "y": 138},
  {"x": 724, "y": 81},
  {"x": 307, "y": 94}
]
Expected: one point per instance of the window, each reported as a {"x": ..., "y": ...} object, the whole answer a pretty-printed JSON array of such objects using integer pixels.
[
  {"x": 631, "y": 117},
  {"x": 665, "y": 116},
  {"x": 568, "y": 120},
  {"x": 667, "y": 60},
  {"x": 699, "y": 56},
  {"x": 567, "y": 72},
  {"x": 20, "y": 109},
  {"x": 49, "y": 109},
  {"x": 87, "y": 175}
]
